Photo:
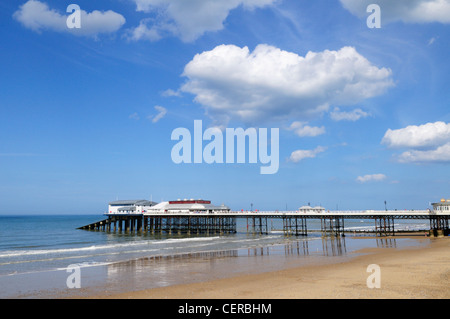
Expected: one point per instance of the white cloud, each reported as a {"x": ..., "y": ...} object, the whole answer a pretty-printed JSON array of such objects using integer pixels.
[
  {"x": 297, "y": 156},
  {"x": 187, "y": 20},
  {"x": 427, "y": 135},
  {"x": 161, "y": 113},
  {"x": 354, "y": 115},
  {"x": 408, "y": 11},
  {"x": 371, "y": 178},
  {"x": 440, "y": 154},
  {"x": 427, "y": 143},
  {"x": 38, "y": 17},
  {"x": 170, "y": 92},
  {"x": 143, "y": 32},
  {"x": 269, "y": 83},
  {"x": 303, "y": 130}
]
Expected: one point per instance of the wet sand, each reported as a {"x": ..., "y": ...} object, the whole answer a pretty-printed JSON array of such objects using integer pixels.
[{"x": 419, "y": 271}]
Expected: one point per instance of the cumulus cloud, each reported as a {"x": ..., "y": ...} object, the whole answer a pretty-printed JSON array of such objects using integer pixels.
[
  {"x": 440, "y": 154},
  {"x": 143, "y": 32},
  {"x": 37, "y": 16},
  {"x": 187, "y": 20},
  {"x": 422, "y": 136},
  {"x": 371, "y": 178},
  {"x": 408, "y": 11},
  {"x": 302, "y": 130},
  {"x": 426, "y": 143},
  {"x": 297, "y": 156},
  {"x": 354, "y": 115},
  {"x": 170, "y": 92},
  {"x": 269, "y": 83}
]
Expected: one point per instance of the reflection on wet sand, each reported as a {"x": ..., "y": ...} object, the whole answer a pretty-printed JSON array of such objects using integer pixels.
[
  {"x": 386, "y": 242},
  {"x": 166, "y": 270},
  {"x": 161, "y": 271},
  {"x": 333, "y": 246}
]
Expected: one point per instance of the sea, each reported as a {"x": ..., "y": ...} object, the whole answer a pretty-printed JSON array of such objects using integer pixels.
[{"x": 40, "y": 255}]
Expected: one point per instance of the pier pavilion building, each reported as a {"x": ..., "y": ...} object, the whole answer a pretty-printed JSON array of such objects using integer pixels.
[
  {"x": 442, "y": 206},
  {"x": 186, "y": 206},
  {"x": 129, "y": 206}
]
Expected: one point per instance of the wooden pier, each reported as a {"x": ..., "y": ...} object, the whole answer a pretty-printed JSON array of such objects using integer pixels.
[
  {"x": 170, "y": 224},
  {"x": 294, "y": 223}
]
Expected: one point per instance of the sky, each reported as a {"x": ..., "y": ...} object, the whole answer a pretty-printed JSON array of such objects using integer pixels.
[{"x": 87, "y": 114}]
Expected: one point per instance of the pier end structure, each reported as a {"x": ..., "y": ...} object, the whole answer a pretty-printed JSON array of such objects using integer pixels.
[{"x": 178, "y": 216}]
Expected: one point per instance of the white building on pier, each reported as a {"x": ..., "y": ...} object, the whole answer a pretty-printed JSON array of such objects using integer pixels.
[
  {"x": 186, "y": 206},
  {"x": 145, "y": 207},
  {"x": 129, "y": 206},
  {"x": 308, "y": 209},
  {"x": 442, "y": 206}
]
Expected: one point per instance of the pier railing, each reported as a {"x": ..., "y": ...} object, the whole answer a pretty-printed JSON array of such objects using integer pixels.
[{"x": 311, "y": 214}]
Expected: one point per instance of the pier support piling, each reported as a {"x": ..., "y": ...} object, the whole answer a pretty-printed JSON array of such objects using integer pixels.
[
  {"x": 332, "y": 225},
  {"x": 384, "y": 226},
  {"x": 439, "y": 226},
  {"x": 190, "y": 224},
  {"x": 294, "y": 226}
]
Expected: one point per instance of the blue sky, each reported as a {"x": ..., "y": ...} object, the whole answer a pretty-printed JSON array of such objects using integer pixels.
[{"x": 86, "y": 115}]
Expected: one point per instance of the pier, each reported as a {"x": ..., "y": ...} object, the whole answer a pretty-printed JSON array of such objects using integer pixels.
[{"x": 294, "y": 223}]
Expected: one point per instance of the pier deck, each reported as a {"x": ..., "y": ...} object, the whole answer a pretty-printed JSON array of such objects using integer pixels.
[{"x": 294, "y": 222}]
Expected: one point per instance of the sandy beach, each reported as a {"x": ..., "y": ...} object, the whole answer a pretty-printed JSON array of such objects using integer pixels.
[{"x": 421, "y": 272}]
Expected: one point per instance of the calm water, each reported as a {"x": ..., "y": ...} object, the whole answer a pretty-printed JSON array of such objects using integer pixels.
[{"x": 35, "y": 252}]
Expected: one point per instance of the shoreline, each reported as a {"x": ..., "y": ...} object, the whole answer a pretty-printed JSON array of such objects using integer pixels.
[{"x": 417, "y": 271}]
